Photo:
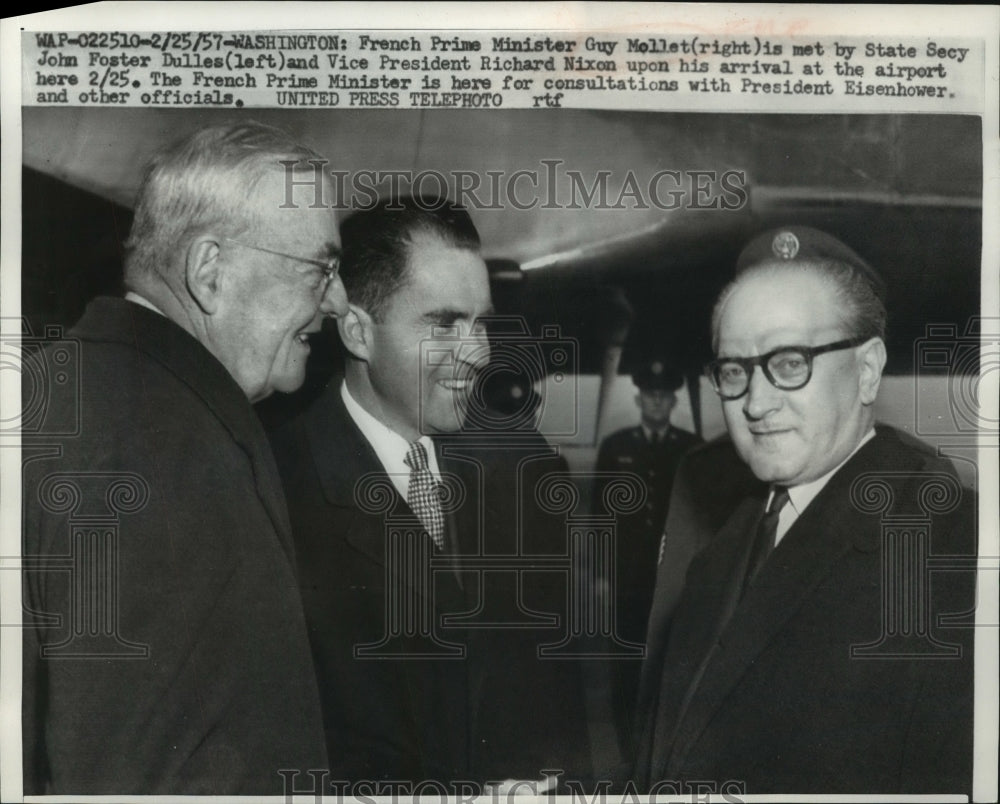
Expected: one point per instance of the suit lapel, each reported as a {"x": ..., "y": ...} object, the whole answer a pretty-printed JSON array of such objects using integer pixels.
[
  {"x": 350, "y": 474},
  {"x": 725, "y": 559},
  {"x": 824, "y": 533},
  {"x": 355, "y": 483},
  {"x": 463, "y": 467},
  {"x": 457, "y": 589},
  {"x": 802, "y": 560},
  {"x": 271, "y": 495}
]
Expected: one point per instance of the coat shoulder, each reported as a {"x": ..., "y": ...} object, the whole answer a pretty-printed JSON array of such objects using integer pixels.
[
  {"x": 684, "y": 439},
  {"x": 623, "y": 438}
]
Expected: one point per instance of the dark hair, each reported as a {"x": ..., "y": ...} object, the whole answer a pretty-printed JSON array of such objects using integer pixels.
[
  {"x": 863, "y": 313},
  {"x": 205, "y": 179},
  {"x": 376, "y": 244}
]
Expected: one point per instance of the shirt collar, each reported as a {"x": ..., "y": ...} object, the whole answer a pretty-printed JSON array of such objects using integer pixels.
[
  {"x": 389, "y": 446},
  {"x": 132, "y": 296},
  {"x": 649, "y": 432},
  {"x": 800, "y": 496}
]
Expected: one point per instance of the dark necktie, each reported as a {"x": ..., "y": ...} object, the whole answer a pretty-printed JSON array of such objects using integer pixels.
[
  {"x": 767, "y": 529},
  {"x": 422, "y": 493}
]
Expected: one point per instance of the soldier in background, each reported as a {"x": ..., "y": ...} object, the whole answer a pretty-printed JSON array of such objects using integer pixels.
[{"x": 651, "y": 450}]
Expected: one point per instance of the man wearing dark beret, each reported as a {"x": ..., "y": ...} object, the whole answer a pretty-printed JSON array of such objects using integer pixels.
[{"x": 810, "y": 651}]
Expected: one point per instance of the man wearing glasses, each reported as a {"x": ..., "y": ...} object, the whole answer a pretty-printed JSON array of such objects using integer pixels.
[
  {"x": 791, "y": 663},
  {"x": 170, "y": 655}
]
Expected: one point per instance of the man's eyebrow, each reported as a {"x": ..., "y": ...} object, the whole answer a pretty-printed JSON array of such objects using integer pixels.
[
  {"x": 444, "y": 314},
  {"x": 783, "y": 348},
  {"x": 326, "y": 251},
  {"x": 450, "y": 314}
]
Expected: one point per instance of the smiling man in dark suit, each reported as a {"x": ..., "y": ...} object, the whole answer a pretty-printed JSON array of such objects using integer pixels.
[
  {"x": 379, "y": 485},
  {"x": 791, "y": 663}
]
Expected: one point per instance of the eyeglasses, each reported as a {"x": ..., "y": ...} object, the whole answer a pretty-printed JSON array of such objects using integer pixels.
[
  {"x": 330, "y": 266},
  {"x": 787, "y": 368}
]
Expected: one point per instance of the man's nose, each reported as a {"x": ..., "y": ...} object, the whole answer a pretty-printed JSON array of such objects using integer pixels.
[
  {"x": 761, "y": 397},
  {"x": 334, "y": 301}
]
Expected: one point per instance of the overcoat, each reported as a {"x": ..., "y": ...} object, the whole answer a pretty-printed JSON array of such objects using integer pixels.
[{"x": 165, "y": 647}]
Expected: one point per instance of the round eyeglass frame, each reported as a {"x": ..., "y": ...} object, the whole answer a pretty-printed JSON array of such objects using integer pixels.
[
  {"x": 749, "y": 363},
  {"x": 330, "y": 266}
]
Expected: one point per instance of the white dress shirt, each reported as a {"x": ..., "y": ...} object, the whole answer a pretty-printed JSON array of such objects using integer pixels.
[
  {"x": 389, "y": 446},
  {"x": 142, "y": 301},
  {"x": 800, "y": 496},
  {"x": 649, "y": 432}
]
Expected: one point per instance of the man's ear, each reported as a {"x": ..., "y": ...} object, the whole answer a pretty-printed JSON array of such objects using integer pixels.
[
  {"x": 356, "y": 331},
  {"x": 203, "y": 272},
  {"x": 871, "y": 361}
]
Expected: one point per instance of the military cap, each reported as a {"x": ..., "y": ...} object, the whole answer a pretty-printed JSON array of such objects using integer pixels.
[
  {"x": 657, "y": 375},
  {"x": 789, "y": 243}
]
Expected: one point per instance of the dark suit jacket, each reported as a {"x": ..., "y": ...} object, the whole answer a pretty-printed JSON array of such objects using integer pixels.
[
  {"x": 764, "y": 689},
  {"x": 711, "y": 482},
  {"x": 639, "y": 533},
  {"x": 497, "y": 711},
  {"x": 221, "y": 693}
]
